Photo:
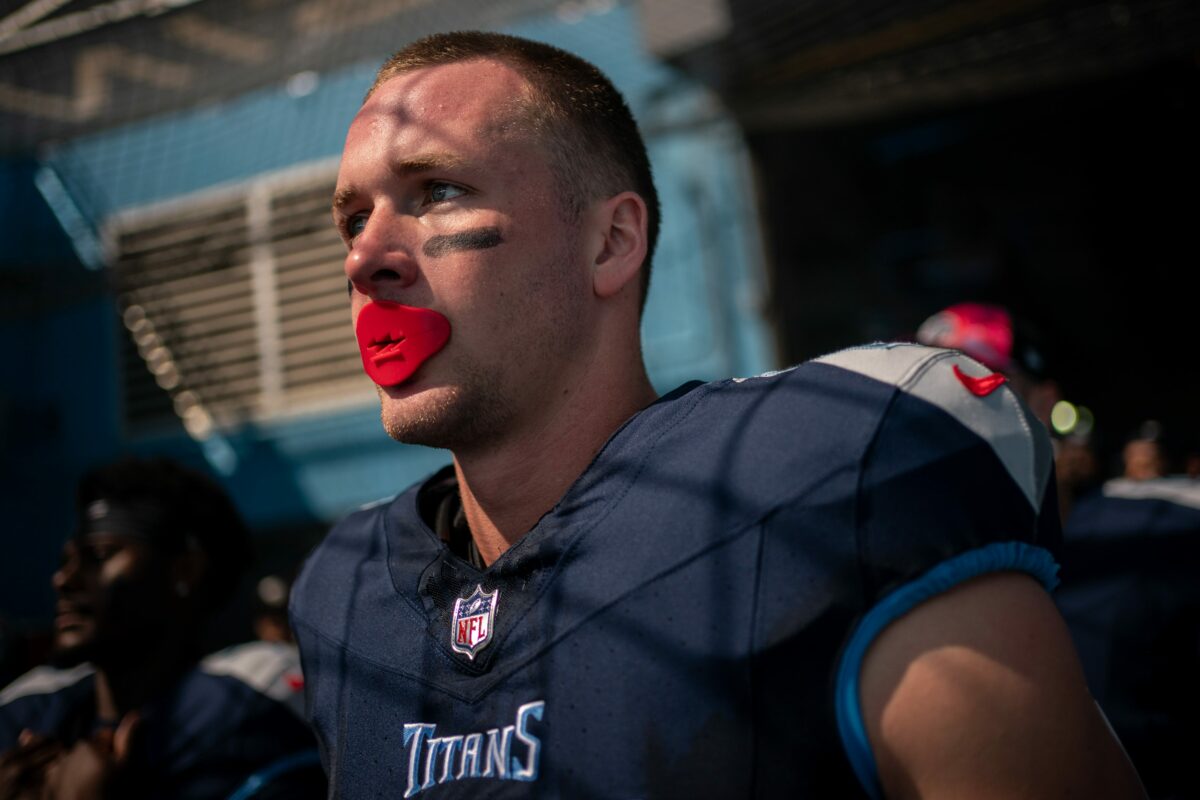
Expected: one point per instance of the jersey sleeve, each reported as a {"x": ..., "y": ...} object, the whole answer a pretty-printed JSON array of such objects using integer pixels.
[
  {"x": 43, "y": 700},
  {"x": 957, "y": 483},
  {"x": 233, "y": 724}
]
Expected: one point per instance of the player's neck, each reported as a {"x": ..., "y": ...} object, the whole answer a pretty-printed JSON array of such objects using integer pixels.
[
  {"x": 507, "y": 487},
  {"x": 125, "y": 686}
]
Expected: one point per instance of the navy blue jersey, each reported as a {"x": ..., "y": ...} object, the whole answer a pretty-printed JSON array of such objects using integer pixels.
[
  {"x": 1131, "y": 598},
  {"x": 232, "y": 723},
  {"x": 689, "y": 619}
]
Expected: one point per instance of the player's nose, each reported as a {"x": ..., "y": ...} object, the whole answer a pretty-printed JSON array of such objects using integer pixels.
[
  {"x": 381, "y": 261},
  {"x": 66, "y": 576}
]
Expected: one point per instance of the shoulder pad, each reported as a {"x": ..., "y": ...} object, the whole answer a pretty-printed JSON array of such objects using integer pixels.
[
  {"x": 44, "y": 680},
  {"x": 270, "y": 668},
  {"x": 1181, "y": 491},
  {"x": 950, "y": 380}
]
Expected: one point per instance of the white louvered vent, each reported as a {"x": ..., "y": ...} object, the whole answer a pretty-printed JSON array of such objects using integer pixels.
[
  {"x": 236, "y": 306},
  {"x": 319, "y": 361}
]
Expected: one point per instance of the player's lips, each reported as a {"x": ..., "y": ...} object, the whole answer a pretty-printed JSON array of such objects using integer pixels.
[
  {"x": 69, "y": 616},
  {"x": 394, "y": 339}
]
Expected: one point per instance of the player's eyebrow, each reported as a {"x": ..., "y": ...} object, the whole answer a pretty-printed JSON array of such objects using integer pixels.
[
  {"x": 426, "y": 163},
  {"x": 343, "y": 196},
  {"x": 405, "y": 168}
]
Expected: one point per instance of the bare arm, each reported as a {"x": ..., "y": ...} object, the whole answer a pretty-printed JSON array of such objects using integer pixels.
[{"x": 978, "y": 693}]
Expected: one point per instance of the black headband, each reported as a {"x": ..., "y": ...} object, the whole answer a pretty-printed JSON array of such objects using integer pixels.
[{"x": 142, "y": 520}]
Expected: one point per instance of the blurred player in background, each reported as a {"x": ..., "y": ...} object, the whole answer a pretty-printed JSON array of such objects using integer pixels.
[
  {"x": 130, "y": 709},
  {"x": 1146, "y": 455},
  {"x": 1131, "y": 596},
  {"x": 824, "y": 582},
  {"x": 270, "y": 610}
]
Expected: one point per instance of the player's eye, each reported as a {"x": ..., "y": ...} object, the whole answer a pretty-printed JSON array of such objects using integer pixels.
[
  {"x": 98, "y": 552},
  {"x": 439, "y": 192},
  {"x": 355, "y": 225}
]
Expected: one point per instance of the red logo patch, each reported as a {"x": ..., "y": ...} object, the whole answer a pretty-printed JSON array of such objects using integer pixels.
[
  {"x": 980, "y": 387},
  {"x": 474, "y": 620}
]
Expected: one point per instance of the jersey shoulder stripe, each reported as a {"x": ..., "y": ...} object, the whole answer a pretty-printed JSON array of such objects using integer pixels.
[
  {"x": 44, "y": 680},
  {"x": 270, "y": 668},
  {"x": 1018, "y": 439},
  {"x": 1181, "y": 491}
]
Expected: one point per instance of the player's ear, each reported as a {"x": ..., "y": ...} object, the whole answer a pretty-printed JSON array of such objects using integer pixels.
[{"x": 621, "y": 223}]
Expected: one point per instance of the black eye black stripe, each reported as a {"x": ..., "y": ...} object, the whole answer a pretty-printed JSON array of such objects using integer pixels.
[{"x": 474, "y": 239}]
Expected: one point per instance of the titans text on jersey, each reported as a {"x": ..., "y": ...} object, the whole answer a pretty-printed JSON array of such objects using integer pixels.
[
  {"x": 434, "y": 759},
  {"x": 689, "y": 620}
]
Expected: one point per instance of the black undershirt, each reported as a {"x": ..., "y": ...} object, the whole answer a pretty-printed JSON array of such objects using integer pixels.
[{"x": 441, "y": 507}]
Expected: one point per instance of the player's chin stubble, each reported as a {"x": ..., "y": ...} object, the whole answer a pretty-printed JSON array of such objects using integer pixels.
[{"x": 453, "y": 417}]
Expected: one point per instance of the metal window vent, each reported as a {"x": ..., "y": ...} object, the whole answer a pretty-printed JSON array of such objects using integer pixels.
[{"x": 236, "y": 309}]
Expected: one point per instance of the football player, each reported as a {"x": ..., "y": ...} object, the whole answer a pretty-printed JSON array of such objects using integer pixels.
[
  {"x": 1132, "y": 603},
  {"x": 825, "y": 582},
  {"x": 129, "y": 708}
]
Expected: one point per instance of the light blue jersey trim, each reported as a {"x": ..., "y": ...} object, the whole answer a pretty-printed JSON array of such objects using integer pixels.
[
  {"x": 996, "y": 557},
  {"x": 264, "y": 776}
]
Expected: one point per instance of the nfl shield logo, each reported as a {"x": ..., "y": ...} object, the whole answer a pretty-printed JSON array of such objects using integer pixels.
[{"x": 471, "y": 626}]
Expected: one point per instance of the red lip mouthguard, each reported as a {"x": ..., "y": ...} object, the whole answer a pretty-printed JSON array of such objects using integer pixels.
[{"x": 395, "y": 340}]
